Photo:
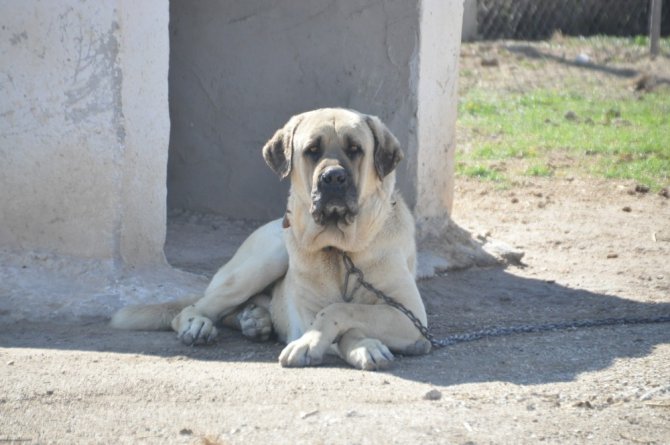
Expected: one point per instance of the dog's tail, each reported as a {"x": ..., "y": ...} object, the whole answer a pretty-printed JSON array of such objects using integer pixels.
[{"x": 150, "y": 317}]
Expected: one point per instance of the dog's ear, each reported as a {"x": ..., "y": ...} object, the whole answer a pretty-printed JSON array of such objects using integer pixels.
[
  {"x": 278, "y": 151},
  {"x": 387, "y": 151}
]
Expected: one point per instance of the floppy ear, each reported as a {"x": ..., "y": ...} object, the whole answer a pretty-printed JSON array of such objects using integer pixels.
[
  {"x": 278, "y": 151},
  {"x": 387, "y": 151}
]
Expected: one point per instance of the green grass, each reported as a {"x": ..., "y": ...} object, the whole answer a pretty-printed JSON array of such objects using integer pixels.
[
  {"x": 539, "y": 170},
  {"x": 623, "y": 138},
  {"x": 479, "y": 171}
]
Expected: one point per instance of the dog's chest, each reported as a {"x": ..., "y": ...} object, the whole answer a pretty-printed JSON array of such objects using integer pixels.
[{"x": 324, "y": 281}]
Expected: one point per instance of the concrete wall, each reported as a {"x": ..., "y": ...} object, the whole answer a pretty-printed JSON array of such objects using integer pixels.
[
  {"x": 84, "y": 127},
  {"x": 239, "y": 70}
]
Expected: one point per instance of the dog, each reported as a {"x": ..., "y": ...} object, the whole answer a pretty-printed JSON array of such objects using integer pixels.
[{"x": 289, "y": 275}]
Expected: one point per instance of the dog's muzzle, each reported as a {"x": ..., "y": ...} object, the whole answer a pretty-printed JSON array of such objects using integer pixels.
[{"x": 334, "y": 197}]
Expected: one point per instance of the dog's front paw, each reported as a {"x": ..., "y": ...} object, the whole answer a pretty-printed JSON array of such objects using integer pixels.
[
  {"x": 197, "y": 330},
  {"x": 304, "y": 351},
  {"x": 369, "y": 354},
  {"x": 255, "y": 322}
]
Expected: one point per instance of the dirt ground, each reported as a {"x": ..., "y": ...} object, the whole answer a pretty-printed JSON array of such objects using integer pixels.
[{"x": 593, "y": 249}]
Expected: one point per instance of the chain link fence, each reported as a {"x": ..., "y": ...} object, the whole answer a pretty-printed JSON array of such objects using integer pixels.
[{"x": 540, "y": 19}]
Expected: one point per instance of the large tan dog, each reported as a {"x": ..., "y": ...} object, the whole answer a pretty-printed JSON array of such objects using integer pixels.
[{"x": 289, "y": 274}]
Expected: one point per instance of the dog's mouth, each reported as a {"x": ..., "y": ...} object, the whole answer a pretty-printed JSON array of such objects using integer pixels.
[
  {"x": 334, "y": 197},
  {"x": 333, "y": 211}
]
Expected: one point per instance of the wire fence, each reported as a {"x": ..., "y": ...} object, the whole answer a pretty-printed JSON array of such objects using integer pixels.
[{"x": 540, "y": 19}]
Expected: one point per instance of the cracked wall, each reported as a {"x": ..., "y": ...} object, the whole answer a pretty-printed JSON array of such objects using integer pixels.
[
  {"x": 239, "y": 70},
  {"x": 84, "y": 128}
]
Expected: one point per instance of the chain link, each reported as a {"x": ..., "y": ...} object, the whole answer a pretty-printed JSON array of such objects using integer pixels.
[
  {"x": 496, "y": 331},
  {"x": 532, "y": 19}
]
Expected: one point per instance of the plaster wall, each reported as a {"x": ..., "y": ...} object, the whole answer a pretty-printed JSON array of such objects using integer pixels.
[
  {"x": 84, "y": 128},
  {"x": 239, "y": 70}
]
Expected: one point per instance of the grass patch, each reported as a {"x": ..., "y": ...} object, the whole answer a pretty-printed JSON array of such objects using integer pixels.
[
  {"x": 480, "y": 172},
  {"x": 622, "y": 138},
  {"x": 539, "y": 114},
  {"x": 539, "y": 170}
]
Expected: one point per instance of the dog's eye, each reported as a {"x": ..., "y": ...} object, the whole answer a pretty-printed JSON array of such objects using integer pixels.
[
  {"x": 313, "y": 151},
  {"x": 353, "y": 151}
]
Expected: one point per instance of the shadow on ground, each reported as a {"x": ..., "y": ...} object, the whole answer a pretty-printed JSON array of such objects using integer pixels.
[
  {"x": 627, "y": 73},
  {"x": 458, "y": 302},
  {"x": 473, "y": 299},
  {"x": 534, "y": 53}
]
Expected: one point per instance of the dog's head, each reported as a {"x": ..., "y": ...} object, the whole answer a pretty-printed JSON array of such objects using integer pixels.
[{"x": 336, "y": 159}]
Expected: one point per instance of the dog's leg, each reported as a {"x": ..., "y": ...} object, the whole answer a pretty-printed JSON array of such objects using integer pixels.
[
  {"x": 252, "y": 318},
  {"x": 261, "y": 260},
  {"x": 365, "y": 335},
  {"x": 363, "y": 352}
]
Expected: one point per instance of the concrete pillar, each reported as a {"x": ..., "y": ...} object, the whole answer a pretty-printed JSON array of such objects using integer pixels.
[
  {"x": 84, "y": 128},
  {"x": 144, "y": 61},
  {"x": 439, "y": 48},
  {"x": 442, "y": 243}
]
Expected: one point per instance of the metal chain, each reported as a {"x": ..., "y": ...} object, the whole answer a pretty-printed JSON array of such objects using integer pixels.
[{"x": 496, "y": 331}]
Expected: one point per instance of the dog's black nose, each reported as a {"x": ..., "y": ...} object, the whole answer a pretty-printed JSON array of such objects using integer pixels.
[{"x": 334, "y": 177}]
